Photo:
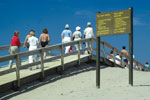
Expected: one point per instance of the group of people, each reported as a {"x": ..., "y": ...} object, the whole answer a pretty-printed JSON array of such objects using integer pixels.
[
  {"x": 119, "y": 57},
  {"x": 67, "y": 36},
  {"x": 32, "y": 42},
  {"x": 125, "y": 63}
]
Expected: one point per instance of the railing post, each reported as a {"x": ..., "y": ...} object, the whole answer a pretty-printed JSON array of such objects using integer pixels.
[
  {"x": 114, "y": 57},
  {"x": 62, "y": 59},
  {"x": 18, "y": 64},
  {"x": 42, "y": 65},
  {"x": 137, "y": 64},
  {"x": 88, "y": 42},
  {"x": 104, "y": 51},
  {"x": 91, "y": 49},
  {"x": 79, "y": 53},
  {"x": 122, "y": 60}
]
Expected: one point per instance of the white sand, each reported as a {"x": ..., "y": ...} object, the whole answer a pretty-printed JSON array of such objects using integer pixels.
[{"x": 114, "y": 86}]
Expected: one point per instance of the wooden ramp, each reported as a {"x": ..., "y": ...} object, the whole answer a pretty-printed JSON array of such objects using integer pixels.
[
  {"x": 8, "y": 81},
  {"x": 21, "y": 74}
]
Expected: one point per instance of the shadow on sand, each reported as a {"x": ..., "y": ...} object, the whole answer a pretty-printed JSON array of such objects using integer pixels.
[{"x": 141, "y": 85}]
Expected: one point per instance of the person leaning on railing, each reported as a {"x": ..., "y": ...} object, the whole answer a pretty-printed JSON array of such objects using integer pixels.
[{"x": 14, "y": 47}]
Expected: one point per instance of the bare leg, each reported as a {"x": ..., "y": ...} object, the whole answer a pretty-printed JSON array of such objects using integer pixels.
[
  {"x": 44, "y": 55},
  {"x": 10, "y": 64},
  {"x": 89, "y": 51},
  {"x": 86, "y": 52}
]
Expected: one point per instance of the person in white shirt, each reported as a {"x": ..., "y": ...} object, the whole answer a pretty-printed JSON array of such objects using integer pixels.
[
  {"x": 88, "y": 32},
  {"x": 33, "y": 42},
  {"x": 77, "y": 36},
  {"x": 118, "y": 60}
]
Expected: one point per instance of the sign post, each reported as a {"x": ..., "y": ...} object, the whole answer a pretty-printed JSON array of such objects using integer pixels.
[
  {"x": 98, "y": 62},
  {"x": 114, "y": 23},
  {"x": 97, "y": 59},
  {"x": 131, "y": 50}
]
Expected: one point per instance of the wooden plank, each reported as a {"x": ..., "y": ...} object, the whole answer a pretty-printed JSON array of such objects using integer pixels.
[
  {"x": 79, "y": 53},
  {"x": 56, "y": 47},
  {"x": 37, "y": 75},
  {"x": 62, "y": 59},
  {"x": 28, "y": 65},
  {"x": 6, "y": 47},
  {"x": 7, "y": 71},
  {"x": 70, "y": 43},
  {"x": 42, "y": 65},
  {"x": 28, "y": 53},
  {"x": 7, "y": 58},
  {"x": 18, "y": 65}
]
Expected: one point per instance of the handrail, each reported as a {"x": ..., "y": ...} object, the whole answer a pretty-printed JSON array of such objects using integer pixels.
[
  {"x": 58, "y": 47},
  {"x": 40, "y": 51},
  {"x": 27, "y": 53},
  {"x": 120, "y": 53},
  {"x": 6, "y": 47},
  {"x": 11, "y": 57}
]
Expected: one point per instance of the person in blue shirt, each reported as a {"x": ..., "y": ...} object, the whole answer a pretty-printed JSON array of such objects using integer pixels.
[
  {"x": 66, "y": 37},
  {"x": 147, "y": 65}
]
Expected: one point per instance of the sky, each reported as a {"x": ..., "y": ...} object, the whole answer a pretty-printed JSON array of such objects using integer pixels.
[{"x": 24, "y": 15}]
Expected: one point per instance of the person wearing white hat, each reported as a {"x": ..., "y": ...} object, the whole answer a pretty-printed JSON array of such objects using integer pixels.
[
  {"x": 66, "y": 37},
  {"x": 89, "y": 24},
  {"x": 77, "y": 36},
  {"x": 67, "y": 26},
  {"x": 88, "y": 32}
]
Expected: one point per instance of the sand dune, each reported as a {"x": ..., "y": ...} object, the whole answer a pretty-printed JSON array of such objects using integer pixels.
[{"x": 80, "y": 85}]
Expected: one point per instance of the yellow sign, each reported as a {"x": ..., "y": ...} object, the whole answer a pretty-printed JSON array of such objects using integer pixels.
[{"x": 113, "y": 23}]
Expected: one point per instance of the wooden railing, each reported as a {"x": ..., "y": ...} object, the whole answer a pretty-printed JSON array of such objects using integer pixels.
[
  {"x": 115, "y": 50},
  {"x": 2, "y": 48},
  {"x": 58, "y": 47}
]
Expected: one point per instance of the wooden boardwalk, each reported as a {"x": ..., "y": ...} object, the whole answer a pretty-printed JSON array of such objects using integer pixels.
[
  {"x": 11, "y": 77},
  {"x": 21, "y": 74}
]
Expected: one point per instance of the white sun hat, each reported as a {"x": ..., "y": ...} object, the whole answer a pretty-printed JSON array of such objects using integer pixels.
[
  {"x": 78, "y": 28},
  {"x": 67, "y": 26},
  {"x": 88, "y": 23}
]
